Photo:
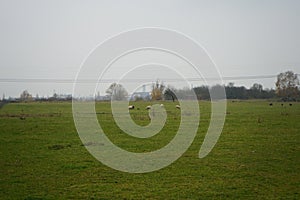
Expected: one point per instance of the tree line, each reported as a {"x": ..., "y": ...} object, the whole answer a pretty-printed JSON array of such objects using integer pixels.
[
  {"x": 232, "y": 92},
  {"x": 286, "y": 89}
]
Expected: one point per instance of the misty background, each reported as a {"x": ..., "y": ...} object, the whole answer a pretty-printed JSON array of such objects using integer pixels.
[{"x": 51, "y": 39}]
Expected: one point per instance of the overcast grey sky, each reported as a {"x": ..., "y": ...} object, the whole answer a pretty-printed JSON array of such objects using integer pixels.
[{"x": 51, "y": 38}]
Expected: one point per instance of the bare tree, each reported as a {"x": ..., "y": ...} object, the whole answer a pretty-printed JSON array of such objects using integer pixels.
[
  {"x": 157, "y": 90},
  {"x": 25, "y": 96},
  {"x": 287, "y": 86},
  {"x": 117, "y": 92}
]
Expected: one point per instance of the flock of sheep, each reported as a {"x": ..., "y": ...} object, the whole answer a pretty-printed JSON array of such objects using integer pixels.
[
  {"x": 131, "y": 107},
  {"x": 271, "y": 104}
]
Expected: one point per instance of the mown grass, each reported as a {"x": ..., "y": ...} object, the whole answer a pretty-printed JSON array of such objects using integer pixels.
[{"x": 256, "y": 157}]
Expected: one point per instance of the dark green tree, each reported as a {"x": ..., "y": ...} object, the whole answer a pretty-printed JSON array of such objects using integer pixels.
[{"x": 169, "y": 94}]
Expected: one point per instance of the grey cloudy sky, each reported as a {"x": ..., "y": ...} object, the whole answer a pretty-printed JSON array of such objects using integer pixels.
[{"x": 50, "y": 39}]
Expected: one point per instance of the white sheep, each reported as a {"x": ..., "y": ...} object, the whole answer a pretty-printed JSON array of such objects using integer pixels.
[
  {"x": 161, "y": 105},
  {"x": 131, "y": 107},
  {"x": 148, "y": 107},
  {"x": 178, "y": 106}
]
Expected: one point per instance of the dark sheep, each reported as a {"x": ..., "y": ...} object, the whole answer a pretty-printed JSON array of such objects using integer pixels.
[{"x": 271, "y": 104}]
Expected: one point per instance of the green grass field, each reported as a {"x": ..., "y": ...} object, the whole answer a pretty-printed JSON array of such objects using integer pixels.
[{"x": 256, "y": 157}]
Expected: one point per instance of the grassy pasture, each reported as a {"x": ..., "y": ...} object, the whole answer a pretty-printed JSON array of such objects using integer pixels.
[{"x": 256, "y": 157}]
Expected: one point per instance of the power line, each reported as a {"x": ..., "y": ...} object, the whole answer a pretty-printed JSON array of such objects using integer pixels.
[{"x": 40, "y": 80}]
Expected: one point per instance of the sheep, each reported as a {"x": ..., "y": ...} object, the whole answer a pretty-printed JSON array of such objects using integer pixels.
[
  {"x": 282, "y": 104},
  {"x": 271, "y": 104},
  {"x": 161, "y": 105},
  {"x": 148, "y": 107},
  {"x": 131, "y": 107},
  {"x": 178, "y": 106},
  {"x": 291, "y": 104}
]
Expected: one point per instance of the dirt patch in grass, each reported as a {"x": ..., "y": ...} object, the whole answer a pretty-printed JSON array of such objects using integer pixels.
[
  {"x": 58, "y": 146},
  {"x": 21, "y": 115}
]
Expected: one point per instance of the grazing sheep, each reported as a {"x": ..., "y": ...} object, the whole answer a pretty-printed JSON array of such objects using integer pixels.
[
  {"x": 148, "y": 107},
  {"x": 178, "y": 106},
  {"x": 291, "y": 104},
  {"x": 161, "y": 105},
  {"x": 271, "y": 104},
  {"x": 131, "y": 107}
]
